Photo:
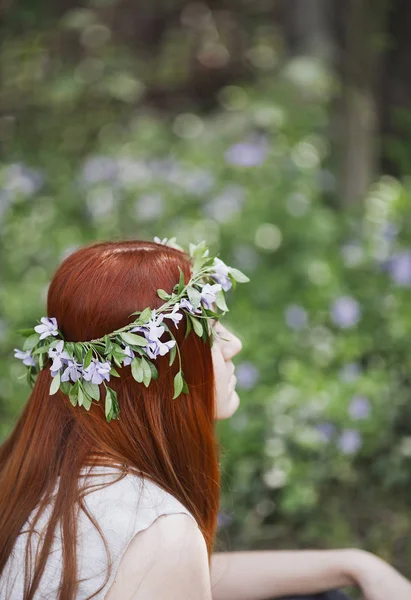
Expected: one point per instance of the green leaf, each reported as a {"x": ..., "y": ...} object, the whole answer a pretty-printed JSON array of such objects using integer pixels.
[
  {"x": 26, "y": 332},
  {"x": 87, "y": 402},
  {"x": 80, "y": 397},
  {"x": 108, "y": 404},
  {"x": 185, "y": 387},
  {"x": 88, "y": 357},
  {"x": 188, "y": 328},
  {"x": 163, "y": 294},
  {"x": 220, "y": 301},
  {"x": 238, "y": 275},
  {"x": 109, "y": 346},
  {"x": 31, "y": 341},
  {"x": 55, "y": 384},
  {"x": 92, "y": 389},
  {"x": 181, "y": 281},
  {"x": 145, "y": 315},
  {"x": 78, "y": 352},
  {"x": 194, "y": 296},
  {"x": 41, "y": 350},
  {"x": 172, "y": 355},
  {"x": 65, "y": 387},
  {"x": 197, "y": 326},
  {"x": 134, "y": 340},
  {"x": 114, "y": 372},
  {"x": 146, "y": 372},
  {"x": 178, "y": 384},
  {"x": 41, "y": 361},
  {"x": 153, "y": 369},
  {"x": 137, "y": 369},
  {"x": 73, "y": 393}
]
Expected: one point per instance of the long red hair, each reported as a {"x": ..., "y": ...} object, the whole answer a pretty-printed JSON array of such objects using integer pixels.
[{"x": 93, "y": 292}]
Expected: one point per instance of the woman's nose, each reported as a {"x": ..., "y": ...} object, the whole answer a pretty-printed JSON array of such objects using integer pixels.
[{"x": 233, "y": 347}]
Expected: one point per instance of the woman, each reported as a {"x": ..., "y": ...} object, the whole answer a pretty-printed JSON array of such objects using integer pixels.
[{"x": 113, "y": 491}]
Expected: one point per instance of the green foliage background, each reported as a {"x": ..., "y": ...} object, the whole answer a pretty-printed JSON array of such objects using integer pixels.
[{"x": 301, "y": 466}]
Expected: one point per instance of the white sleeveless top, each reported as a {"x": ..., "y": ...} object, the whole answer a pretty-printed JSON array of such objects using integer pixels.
[{"x": 121, "y": 509}]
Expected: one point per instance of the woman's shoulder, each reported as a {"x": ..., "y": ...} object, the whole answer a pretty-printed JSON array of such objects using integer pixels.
[
  {"x": 127, "y": 498},
  {"x": 172, "y": 544}
]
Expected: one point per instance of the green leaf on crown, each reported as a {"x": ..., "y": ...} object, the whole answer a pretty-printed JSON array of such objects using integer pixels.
[
  {"x": 65, "y": 387},
  {"x": 163, "y": 294},
  {"x": 137, "y": 369},
  {"x": 194, "y": 296},
  {"x": 133, "y": 340},
  {"x": 178, "y": 384},
  {"x": 25, "y": 332},
  {"x": 108, "y": 407},
  {"x": 80, "y": 396},
  {"x": 145, "y": 315},
  {"x": 146, "y": 372},
  {"x": 114, "y": 372},
  {"x": 111, "y": 405},
  {"x": 153, "y": 369},
  {"x": 197, "y": 326},
  {"x": 73, "y": 393},
  {"x": 31, "y": 341},
  {"x": 181, "y": 281},
  {"x": 220, "y": 301},
  {"x": 185, "y": 387},
  {"x": 55, "y": 384},
  {"x": 92, "y": 389},
  {"x": 173, "y": 351},
  {"x": 238, "y": 275},
  {"x": 88, "y": 357}
]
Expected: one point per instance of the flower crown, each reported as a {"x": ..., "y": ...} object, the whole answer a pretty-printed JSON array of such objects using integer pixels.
[{"x": 78, "y": 368}]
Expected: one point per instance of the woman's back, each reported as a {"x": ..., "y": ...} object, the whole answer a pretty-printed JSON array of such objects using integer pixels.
[{"x": 121, "y": 509}]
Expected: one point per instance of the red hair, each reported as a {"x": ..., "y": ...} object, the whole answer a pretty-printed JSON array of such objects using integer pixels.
[{"x": 172, "y": 442}]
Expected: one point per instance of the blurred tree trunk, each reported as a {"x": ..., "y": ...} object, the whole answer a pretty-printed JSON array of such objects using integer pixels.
[{"x": 362, "y": 52}]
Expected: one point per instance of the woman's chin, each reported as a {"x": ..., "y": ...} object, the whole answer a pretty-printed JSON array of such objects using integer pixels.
[{"x": 231, "y": 405}]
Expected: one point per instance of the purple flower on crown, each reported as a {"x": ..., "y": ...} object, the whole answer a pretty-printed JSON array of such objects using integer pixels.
[
  {"x": 48, "y": 327},
  {"x": 72, "y": 372},
  {"x": 25, "y": 356},
  {"x": 153, "y": 349},
  {"x": 209, "y": 292},
  {"x": 220, "y": 274},
  {"x": 152, "y": 330},
  {"x": 128, "y": 356},
  {"x": 184, "y": 303},
  {"x": 97, "y": 371},
  {"x": 59, "y": 356},
  {"x": 174, "y": 315}
]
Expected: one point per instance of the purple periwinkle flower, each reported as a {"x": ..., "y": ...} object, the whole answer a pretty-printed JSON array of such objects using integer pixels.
[
  {"x": 73, "y": 371},
  {"x": 184, "y": 303},
  {"x": 220, "y": 274},
  {"x": 209, "y": 292},
  {"x": 399, "y": 267},
  {"x": 246, "y": 154},
  {"x": 247, "y": 375},
  {"x": 49, "y": 327},
  {"x": 295, "y": 316},
  {"x": 153, "y": 349},
  {"x": 345, "y": 312},
  {"x": 174, "y": 315},
  {"x": 25, "y": 356},
  {"x": 360, "y": 407},
  {"x": 152, "y": 330},
  {"x": 97, "y": 371},
  {"x": 350, "y": 441},
  {"x": 59, "y": 356},
  {"x": 128, "y": 356}
]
